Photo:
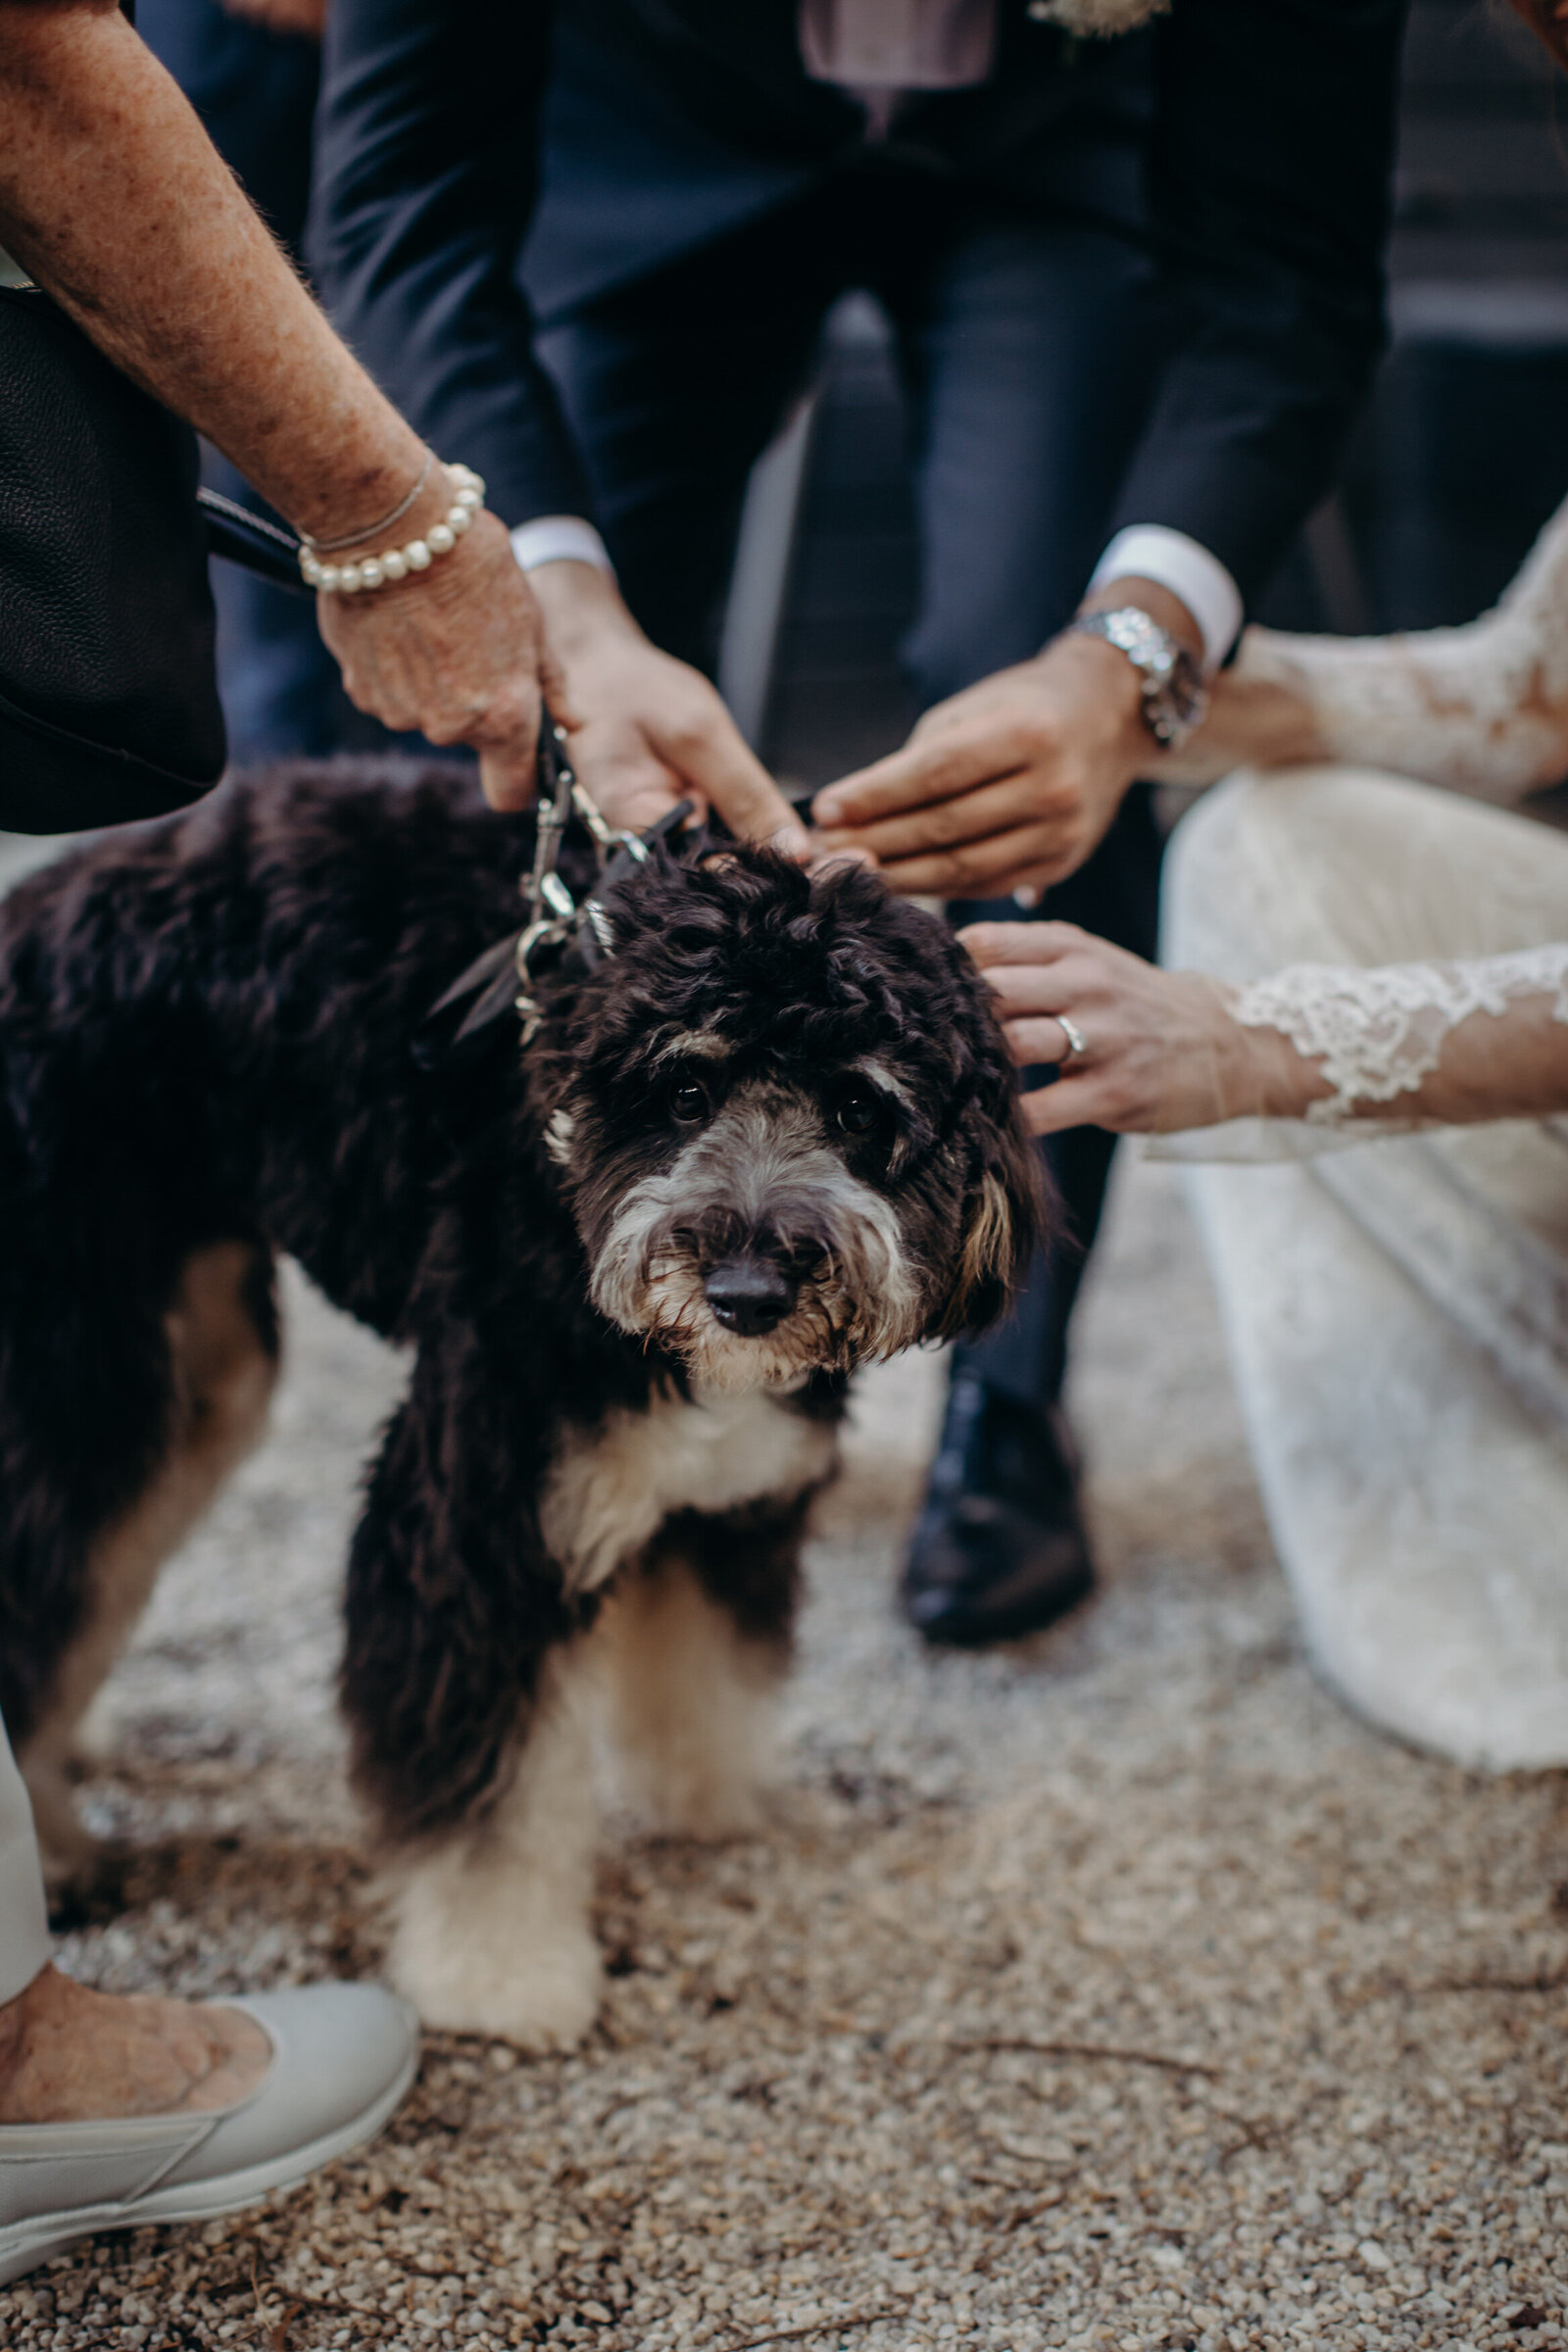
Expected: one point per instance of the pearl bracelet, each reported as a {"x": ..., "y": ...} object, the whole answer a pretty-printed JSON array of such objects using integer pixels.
[{"x": 396, "y": 563}]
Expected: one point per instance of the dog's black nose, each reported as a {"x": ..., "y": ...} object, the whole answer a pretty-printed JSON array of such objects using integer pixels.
[{"x": 750, "y": 1295}]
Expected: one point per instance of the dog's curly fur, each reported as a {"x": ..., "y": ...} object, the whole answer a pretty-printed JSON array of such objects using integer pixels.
[{"x": 204, "y": 1057}]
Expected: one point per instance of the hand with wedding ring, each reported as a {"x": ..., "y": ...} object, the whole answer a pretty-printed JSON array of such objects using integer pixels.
[{"x": 1140, "y": 1050}]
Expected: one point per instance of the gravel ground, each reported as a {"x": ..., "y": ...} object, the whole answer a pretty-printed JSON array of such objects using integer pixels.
[{"x": 1115, "y": 1989}]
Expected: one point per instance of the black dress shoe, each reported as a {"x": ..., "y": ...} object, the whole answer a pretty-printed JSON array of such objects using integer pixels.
[{"x": 1000, "y": 1547}]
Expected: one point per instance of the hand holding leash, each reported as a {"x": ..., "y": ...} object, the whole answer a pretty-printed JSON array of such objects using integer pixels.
[
  {"x": 648, "y": 729},
  {"x": 459, "y": 654}
]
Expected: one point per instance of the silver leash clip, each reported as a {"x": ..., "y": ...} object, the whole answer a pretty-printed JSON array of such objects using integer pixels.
[{"x": 555, "y": 918}]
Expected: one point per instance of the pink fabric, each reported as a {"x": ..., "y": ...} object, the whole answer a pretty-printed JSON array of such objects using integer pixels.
[{"x": 898, "y": 44}]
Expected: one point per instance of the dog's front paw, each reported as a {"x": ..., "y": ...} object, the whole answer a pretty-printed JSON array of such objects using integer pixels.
[
  {"x": 478, "y": 1951},
  {"x": 542, "y": 1998}
]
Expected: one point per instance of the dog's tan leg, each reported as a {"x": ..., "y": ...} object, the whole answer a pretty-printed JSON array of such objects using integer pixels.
[
  {"x": 223, "y": 1379},
  {"x": 493, "y": 1932},
  {"x": 694, "y": 1704}
]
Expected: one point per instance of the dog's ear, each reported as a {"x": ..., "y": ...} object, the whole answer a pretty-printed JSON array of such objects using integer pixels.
[{"x": 1005, "y": 1213}]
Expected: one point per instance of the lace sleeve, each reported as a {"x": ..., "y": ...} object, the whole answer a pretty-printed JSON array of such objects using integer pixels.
[
  {"x": 1482, "y": 710},
  {"x": 1378, "y": 1031}
]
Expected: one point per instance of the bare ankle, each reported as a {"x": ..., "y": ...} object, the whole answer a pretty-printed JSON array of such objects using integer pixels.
[
  {"x": 68, "y": 2053},
  {"x": 20, "y": 2019},
  {"x": 13, "y": 2026}
]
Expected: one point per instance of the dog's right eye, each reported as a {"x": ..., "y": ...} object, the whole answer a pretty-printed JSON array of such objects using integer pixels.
[
  {"x": 688, "y": 1103},
  {"x": 857, "y": 1114}
]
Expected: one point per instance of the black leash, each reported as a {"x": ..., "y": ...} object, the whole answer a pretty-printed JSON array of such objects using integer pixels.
[
  {"x": 251, "y": 541},
  {"x": 557, "y": 928}
]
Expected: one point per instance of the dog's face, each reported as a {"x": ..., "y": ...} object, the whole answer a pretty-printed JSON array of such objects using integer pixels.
[{"x": 786, "y": 1122}]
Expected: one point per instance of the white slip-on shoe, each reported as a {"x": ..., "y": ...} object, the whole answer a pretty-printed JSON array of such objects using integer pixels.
[{"x": 343, "y": 2056}]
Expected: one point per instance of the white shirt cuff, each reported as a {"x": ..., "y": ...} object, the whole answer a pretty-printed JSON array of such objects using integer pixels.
[
  {"x": 560, "y": 539},
  {"x": 1151, "y": 551}
]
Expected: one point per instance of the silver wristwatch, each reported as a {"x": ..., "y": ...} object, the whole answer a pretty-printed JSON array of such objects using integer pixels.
[{"x": 1175, "y": 698}]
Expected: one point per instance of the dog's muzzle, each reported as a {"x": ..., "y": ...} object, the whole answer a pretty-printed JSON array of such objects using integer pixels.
[{"x": 756, "y": 1255}]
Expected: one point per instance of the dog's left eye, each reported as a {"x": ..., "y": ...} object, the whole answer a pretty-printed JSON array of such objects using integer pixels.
[
  {"x": 688, "y": 1103},
  {"x": 857, "y": 1114}
]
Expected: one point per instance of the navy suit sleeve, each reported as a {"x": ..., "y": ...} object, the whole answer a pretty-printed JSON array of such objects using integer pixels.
[
  {"x": 1270, "y": 190},
  {"x": 426, "y": 165}
]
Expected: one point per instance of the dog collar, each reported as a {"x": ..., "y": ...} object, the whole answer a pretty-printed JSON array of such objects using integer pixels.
[{"x": 558, "y": 930}]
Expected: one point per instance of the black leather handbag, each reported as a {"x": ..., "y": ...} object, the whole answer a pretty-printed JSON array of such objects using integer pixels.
[{"x": 109, "y": 708}]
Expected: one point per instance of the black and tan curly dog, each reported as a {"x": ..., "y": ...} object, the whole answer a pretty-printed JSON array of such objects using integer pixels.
[{"x": 771, "y": 1137}]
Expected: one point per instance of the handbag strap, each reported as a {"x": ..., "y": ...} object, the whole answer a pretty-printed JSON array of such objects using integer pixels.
[
  {"x": 250, "y": 540},
  {"x": 232, "y": 530}
]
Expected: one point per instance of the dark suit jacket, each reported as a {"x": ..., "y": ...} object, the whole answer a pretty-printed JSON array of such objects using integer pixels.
[{"x": 1250, "y": 142}]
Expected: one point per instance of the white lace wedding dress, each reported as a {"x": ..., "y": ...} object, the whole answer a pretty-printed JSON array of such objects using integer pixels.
[{"x": 1396, "y": 1294}]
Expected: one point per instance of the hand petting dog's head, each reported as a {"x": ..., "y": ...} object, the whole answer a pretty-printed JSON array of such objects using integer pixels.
[{"x": 786, "y": 1121}]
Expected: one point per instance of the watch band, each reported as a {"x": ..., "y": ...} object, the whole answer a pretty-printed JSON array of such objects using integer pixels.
[{"x": 1174, "y": 698}]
